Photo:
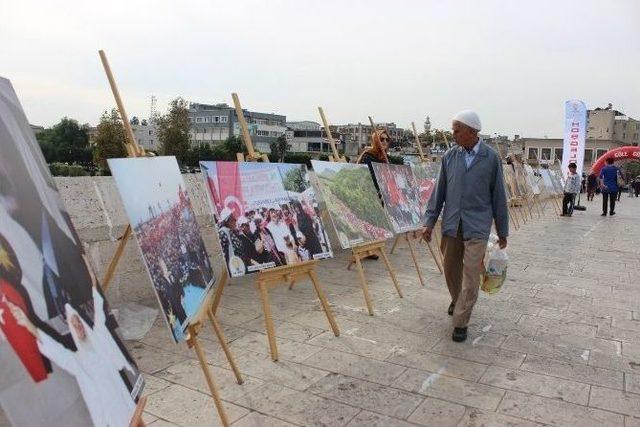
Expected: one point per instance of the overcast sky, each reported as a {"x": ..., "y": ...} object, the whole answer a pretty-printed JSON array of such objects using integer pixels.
[{"x": 515, "y": 62}]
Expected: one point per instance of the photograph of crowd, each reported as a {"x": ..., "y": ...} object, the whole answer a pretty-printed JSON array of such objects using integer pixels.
[
  {"x": 425, "y": 175},
  {"x": 60, "y": 352},
  {"x": 547, "y": 181},
  {"x": 401, "y": 196},
  {"x": 352, "y": 202},
  {"x": 266, "y": 214},
  {"x": 159, "y": 210},
  {"x": 533, "y": 178}
]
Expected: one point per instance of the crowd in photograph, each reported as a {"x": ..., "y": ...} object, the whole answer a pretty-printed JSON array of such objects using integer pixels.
[
  {"x": 271, "y": 236},
  {"x": 173, "y": 249}
]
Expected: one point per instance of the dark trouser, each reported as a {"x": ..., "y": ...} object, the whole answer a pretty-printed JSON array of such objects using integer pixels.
[
  {"x": 619, "y": 194},
  {"x": 611, "y": 199},
  {"x": 567, "y": 203}
]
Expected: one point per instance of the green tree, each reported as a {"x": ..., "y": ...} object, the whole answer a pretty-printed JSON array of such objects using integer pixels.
[
  {"x": 110, "y": 140},
  {"x": 66, "y": 142},
  {"x": 173, "y": 130},
  {"x": 632, "y": 169},
  {"x": 294, "y": 181},
  {"x": 134, "y": 120},
  {"x": 279, "y": 149}
]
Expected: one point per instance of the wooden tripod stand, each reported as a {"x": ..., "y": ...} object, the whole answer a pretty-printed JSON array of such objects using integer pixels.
[{"x": 134, "y": 150}]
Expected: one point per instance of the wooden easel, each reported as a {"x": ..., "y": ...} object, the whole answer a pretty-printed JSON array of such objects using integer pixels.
[
  {"x": 335, "y": 157},
  {"x": 269, "y": 278},
  {"x": 363, "y": 251},
  {"x": 134, "y": 150}
]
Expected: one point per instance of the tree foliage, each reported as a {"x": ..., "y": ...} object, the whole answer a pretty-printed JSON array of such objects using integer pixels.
[
  {"x": 173, "y": 130},
  {"x": 66, "y": 142},
  {"x": 294, "y": 180},
  {"x": 110, "y": 140},
  {"x": 279, "y": 149}
]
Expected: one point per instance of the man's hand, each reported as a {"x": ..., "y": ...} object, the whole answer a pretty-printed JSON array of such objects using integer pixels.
[
  {"x": 502, "y": 242},
  {"x": 426, "y": 234}
]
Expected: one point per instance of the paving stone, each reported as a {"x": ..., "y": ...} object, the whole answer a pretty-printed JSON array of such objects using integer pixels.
[
  {"x": 480, "y": 353},
  {"x": 615, "y": 401},
  {"x": 186, "y": 407},
  {"x": 256, "y": 419},
  {"x": 189, "y": 374},
  {"x": 287, "y": 349},
  {"x": 152, "y": 359},
  {"x": 555, "y": 412},
  {"x": 540, "y": 385},
  {"x": 432, "y": 362},
  {"x": 371, "y": 419},
  {"x": 573, "y": 371},
  {"x": 355, "y": 366},
  {"x": 283, "y": 372},
  {"x": 631, "y": 421},
  {"x": 435, "y": 412},
  {"x": 558, "y": 327},
  {"x": 536, "y": 346},
  {"x": 477, "y": 418},
  {"x": 632, "y": 382},
  {"x": 434, "y": 384},
  {"x": 284, "y": 329},
  {"x": 367, "y": 395},
  {"x": 153, "y": 384},
  {"x": 297, "y": 407}
]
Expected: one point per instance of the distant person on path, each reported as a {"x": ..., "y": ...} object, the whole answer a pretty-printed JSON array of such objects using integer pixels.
[
  {"x": 636, "y": 186},
  {"x": 592, "y": 184},
  {"x": 609, "y": 187},
  {"x": 471, "y": 189},
  {"x": 377, "y": 153},
  {"x": 571, "y": 188}
]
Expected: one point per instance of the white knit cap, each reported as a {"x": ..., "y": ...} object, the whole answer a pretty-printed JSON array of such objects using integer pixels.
[{"x": 469, "y": 118}]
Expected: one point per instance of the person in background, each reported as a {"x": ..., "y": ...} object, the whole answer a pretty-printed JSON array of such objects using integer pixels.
[
  {"x": 609, "y": 187},
  {"x": 571, "y": 188},
  {"x": 621, "y": 181},
  {"x": 471, "y": 189},
  {"x": 377, "y": 153},
  {"x": 592, "y": 184},
  {"x": 636, "y": 186}
]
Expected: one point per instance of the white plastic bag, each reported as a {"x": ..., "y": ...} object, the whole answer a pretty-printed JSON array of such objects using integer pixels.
[{"x": 496, "y": 262}]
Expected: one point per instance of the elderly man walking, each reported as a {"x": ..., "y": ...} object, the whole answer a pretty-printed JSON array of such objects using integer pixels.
[{"x": 471, "y": 189}]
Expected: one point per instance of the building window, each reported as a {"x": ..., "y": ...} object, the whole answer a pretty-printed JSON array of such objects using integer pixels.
[
  {"x": 207, "y": 119},
  {"x": 262, "y": 133},
  {"x": 600, "y": 152},
  {"x": 545, "y": 154},
  {"x": 588, "y": 155},
  {"x": 624, "y": 135},
  {"x": 635, "y": 136},
  {"x": 223, "y": 119},
  {"x": 199, "y": 119},
  {"x": 216, "y": 119},
  {"x": 558, "y": 153},
  {"x": 533, "y": 153}
]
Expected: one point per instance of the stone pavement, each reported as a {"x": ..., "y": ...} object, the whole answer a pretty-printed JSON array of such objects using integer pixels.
[{"x": 559, "y": 345}]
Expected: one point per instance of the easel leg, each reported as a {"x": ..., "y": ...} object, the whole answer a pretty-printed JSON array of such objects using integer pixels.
[
  {"x": 216, "y": 298},
  {"x": 391, "y": 272},
  {"x": 268, "y": 320},
  {"x": 111, "y": 269},
  {"x": 207, "y": 374},
  {"x": 395, "y": 243},
  {"x": 223, "y": 342},
  {"x": 136, "y": 420},
  {"x": 435, "y": 257},
  {"x": 363, "y": 283},
  {"x": 324, "y": 302},
  {"x": 415, "y": 259}
]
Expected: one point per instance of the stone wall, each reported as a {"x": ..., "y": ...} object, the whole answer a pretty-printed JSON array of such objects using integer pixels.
[{"x": 99, "y": 217}]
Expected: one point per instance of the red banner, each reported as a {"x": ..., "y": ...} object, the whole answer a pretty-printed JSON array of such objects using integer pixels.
[{"x": 618, "y": 154}]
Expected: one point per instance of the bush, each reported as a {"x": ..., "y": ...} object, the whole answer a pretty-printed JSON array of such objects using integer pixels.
[
  {"x": 63, "y": 169},
  {"x": 396, "y": 160},
  {"x": 298, "y": 158}
]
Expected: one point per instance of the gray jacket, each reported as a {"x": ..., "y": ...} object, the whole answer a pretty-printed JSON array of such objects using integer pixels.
[{"x": 473, "y": 196}]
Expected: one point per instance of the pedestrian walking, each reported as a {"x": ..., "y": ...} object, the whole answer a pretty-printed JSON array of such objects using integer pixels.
[
  {"x": 471, "y": 189},
  {"x": 592, "y": 185},
  {"x": 609, "y": 187}
]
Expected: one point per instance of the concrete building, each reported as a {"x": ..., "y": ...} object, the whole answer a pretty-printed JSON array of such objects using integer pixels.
[
  {"x": 357, "y": 136},
  {"x": 213, "y": 123},
  {"x": 606, "y": 129},
  {"x": 146, "y": 134},
  {"x": 309, "y": 137}
]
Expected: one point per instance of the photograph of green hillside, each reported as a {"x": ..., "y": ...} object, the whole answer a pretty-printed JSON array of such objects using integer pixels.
[{"x": 352, "y": 202}]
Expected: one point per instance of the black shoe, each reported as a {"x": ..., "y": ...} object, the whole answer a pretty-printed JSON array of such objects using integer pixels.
[
  {"x": 459, "y": 334},
  {"x": 373, "y": 257},
  {"x": 451, "y": 307},
  {"x": 603, "y": 214},
  {"x": 612, "y": 213}
]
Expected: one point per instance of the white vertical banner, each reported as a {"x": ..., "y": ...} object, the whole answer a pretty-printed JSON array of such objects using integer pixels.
[{"x": 575, "y": 124}]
